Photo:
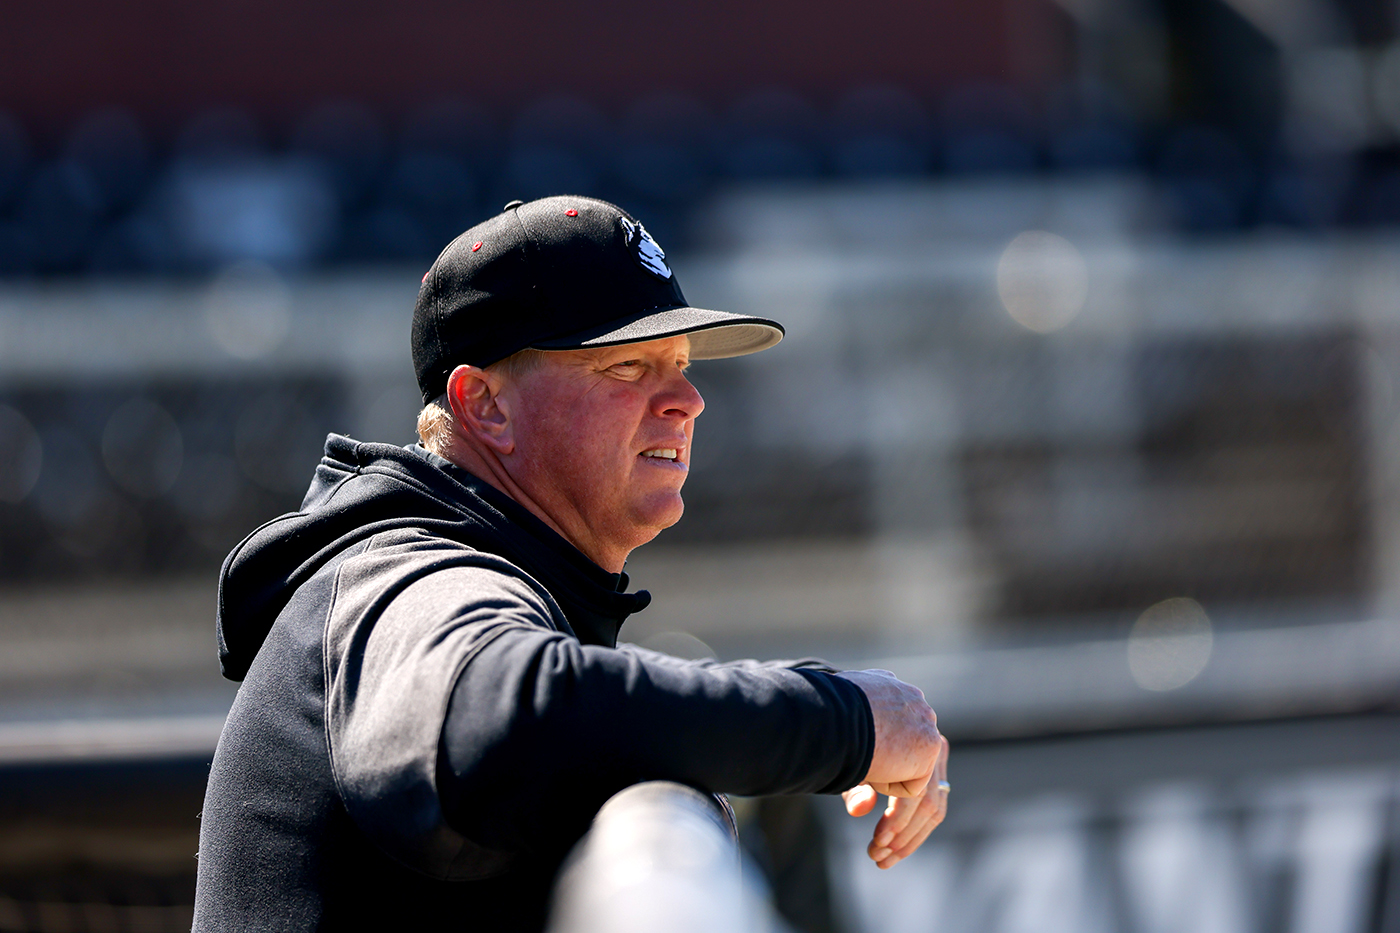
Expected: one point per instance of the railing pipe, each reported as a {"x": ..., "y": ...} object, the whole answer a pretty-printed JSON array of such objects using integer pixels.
[{"x": 660, "y": 858}]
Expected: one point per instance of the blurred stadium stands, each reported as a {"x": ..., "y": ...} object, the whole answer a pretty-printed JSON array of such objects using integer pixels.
[
  {"x": 1086, "y": 421},
  {"x": 343, "y": 185}
]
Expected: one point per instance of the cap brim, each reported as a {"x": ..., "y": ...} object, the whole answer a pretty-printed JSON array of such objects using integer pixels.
[{"x": 714, "y": 335}]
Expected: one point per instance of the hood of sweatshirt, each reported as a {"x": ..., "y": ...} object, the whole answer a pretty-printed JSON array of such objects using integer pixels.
[{"x": 360, "y": 490}]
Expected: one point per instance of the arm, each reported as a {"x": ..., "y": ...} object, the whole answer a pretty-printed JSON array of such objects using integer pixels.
[
  {"x": 907, "y": 743},
  {"x": 459, "y": 716},
  {"x": 537, "y": 717},
  {"x": 804, "y": 664}
]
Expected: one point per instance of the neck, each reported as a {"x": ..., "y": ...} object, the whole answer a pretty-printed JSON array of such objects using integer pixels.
[{"x": 490, "y": 469}]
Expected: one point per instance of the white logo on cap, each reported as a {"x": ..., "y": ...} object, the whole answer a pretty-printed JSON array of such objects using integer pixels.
[{"x": 649, "y": 252}]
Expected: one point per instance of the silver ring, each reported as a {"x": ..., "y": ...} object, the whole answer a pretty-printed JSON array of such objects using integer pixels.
[{"x": 944, "y": 786}]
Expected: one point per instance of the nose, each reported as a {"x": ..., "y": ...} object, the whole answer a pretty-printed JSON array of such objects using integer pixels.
[{"x": 678, "y": 398}]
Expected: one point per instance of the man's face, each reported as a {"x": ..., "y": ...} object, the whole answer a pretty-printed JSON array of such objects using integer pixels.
[{"x": 602, "y": 441}]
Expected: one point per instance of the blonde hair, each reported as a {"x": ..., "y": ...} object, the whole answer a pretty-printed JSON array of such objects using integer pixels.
[{"x": 435, "y": 422}]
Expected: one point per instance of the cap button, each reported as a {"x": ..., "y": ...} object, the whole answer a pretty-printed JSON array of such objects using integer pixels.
[{"x": 512, "y": 205}]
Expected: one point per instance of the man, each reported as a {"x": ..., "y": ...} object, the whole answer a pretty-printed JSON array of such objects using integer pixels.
[{"x": 434, "y": 702}]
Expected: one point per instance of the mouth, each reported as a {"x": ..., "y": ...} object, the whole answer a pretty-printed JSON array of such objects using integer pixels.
[{"x": 662, "y": 455}]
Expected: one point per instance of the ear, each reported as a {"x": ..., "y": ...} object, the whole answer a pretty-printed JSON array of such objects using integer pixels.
[{"x": 473, "y": 394}]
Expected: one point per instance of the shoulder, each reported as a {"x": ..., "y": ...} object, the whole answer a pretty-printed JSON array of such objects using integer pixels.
[{"x": 414, "y": 573}]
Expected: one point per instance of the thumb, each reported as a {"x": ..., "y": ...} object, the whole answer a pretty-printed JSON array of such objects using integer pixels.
[{"x": 859, "y": 799}]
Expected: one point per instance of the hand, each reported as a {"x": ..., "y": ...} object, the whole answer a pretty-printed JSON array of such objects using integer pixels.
[
  {"x": 907, "y": 821},
  {"x": 907, "y": 743}
]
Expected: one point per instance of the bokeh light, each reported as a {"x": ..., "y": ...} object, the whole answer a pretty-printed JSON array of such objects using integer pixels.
[
  {"x": 1170, "y": 644},
  {"x": 248, "y": 310},
  {"x": 1043, "y": 281}
]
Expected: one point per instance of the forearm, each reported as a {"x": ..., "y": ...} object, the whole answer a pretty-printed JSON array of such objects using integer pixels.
[
  {"x": 791, "y": 664},
  {"x": 538, "y": 716}
]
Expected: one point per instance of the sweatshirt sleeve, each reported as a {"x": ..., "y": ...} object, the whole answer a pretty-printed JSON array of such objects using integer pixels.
[
  {"x": 549, "y": 728},
  {"x": 809, "y": 664}
]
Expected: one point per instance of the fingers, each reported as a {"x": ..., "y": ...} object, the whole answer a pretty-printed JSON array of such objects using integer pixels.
[
  {"x": 920, "y": 817},
  {"x": 911, "y": 788},
  {"x": 929, "y": 814},
  {"x": 860, "y": 799},
  {"x": 916, "y": 787},
  {"x": 898, "y": 815},
  {"x": 907, "y": 821},
  {"x": 898, "y": 855}
]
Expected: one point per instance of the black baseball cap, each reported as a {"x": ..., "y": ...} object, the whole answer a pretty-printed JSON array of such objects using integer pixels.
[{"x": 560, "y": 273}]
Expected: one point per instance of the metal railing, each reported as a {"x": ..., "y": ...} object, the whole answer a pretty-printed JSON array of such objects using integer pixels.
[{"x": 660, "y": 856}]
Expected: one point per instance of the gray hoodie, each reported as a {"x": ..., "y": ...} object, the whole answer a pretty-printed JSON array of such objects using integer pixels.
[{"x": 434, "y": 704}]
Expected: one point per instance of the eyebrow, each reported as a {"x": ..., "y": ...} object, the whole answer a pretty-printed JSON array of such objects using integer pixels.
[{"x": 626, "y": 357}]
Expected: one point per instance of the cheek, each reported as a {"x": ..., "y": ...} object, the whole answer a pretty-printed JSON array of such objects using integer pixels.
[
  {"x": 575, "y": 440},
  {"x": 543, "y": 436}
]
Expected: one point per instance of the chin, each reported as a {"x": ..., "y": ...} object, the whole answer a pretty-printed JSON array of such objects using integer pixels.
[{"x": 658, "y": 516}]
